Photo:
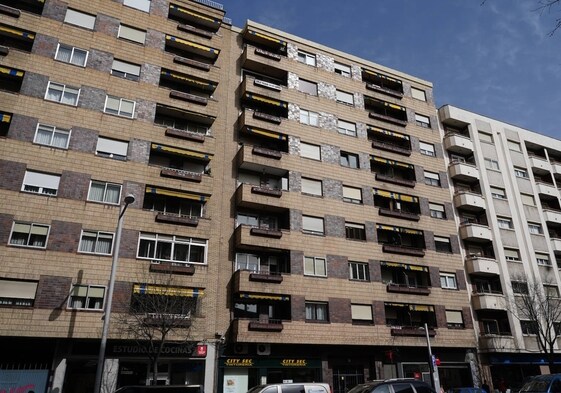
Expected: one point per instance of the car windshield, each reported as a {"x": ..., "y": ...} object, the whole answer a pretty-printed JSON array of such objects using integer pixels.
[
  {"x": 536, "y": 385},
  {"x": 361, "y": 388},
  {"x": 256, "y": 389}
]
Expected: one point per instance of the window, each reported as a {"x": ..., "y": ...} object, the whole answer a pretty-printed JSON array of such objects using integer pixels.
[
  {"x": 307, "y": 58},
  {"x": 504, "y": 222},
  {"x": 352, "y": 194},
  {"x": 72, "y": 55},
  {"x": 347, "y": 128},
  {"x": 421, "y": 120},
  {"x": 63, "y": 94},
  {"x": 432, "y": 179},
  {"x": 490, "y": 326},
  {"x": 17, "y": 293},
  {"x": 172, "y": 248},
  {"x": 498, "y": 193},
  {"x": 310, "y": 151},
  {"x": 342, "y": 69},
  {"x": 535, "y": 229},
  {"x": 312, "y": 225},
  {"x": 512, "y": 255},
  {"x": 119, "y": 106},
  {"x": 246, "y": 261},
  {"x": 309, "y": 118},
  {"x": 349, "y": 160},
  {"x": 308, "y": 87},
  {"x": 454, "y": 319},
  {"x": 316, "y": 311},
  {"x": 551, "y": 291},
  {"x": 355, "y": 231},
  {"x": 359, "y": 271},
  {"x": 132, "y": 34},
  {"x": 312, "y": 187},
  {"x": 442, "y": 244},
  {"x": 104, "y": 192},
  {"x": 111, "y": 148},
  {"x": 92, "y": 242},
  {"x": 543, "y": 259},
  {"x": 314, "y": 266},
  {"x": 29, "y": 235},
  {"x": 437, "y": 211},
  {"x": 485, "y": 137},
  {"x": 418, "y": 94},
  {"x": 40, "y": 183},
  {"x": 448, "y": 281},
  {"x": 427, "y": 149},
  {"x": 122, "y": 69},
  {"x": 529, "y": 327},
  {"x": 514, "y": 146},
  {"x": 78, "y": 18},
  {"x": 142, "y": 5},
  {"x": 528, "y": 200},
  {"x": 521, "y": 172},
  {"x": 491, "y": 164},
  {"x": 361, "y": 313},
  {"x": 520, "y": 287},
  {"x": 88, "y": 297},
  {"x": 345, "y": 98},
  {"x": 52, "y": 136}
]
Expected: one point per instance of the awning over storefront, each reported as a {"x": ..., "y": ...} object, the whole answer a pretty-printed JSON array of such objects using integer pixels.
[
  {"x": 387, "y": 132},
  {"x": 209, "y": 86},
  {"x": 392, "y": 162},
  {"x": 265, "y": 133},
  {"x": 11, "y": 72},
  {"x": 173, "y": 193},
  {"x": 203, "y": 49},
  {"x": 399, "y": 229},
  {"x": 396, "y": 196},
  {"x": 16, "y": 32},
  {"x": 265, "y": 100},
  {"x": 181, "y": 152},
  {"x": 258, "y": 296},
  {"x": 149, "y": 289},
  {"x": 405, "y": 266}
]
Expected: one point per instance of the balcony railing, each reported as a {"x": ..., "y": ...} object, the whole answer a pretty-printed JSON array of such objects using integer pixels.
[
  {"x": 183, "y": 134},
  {"x": 262, "y": 151},
  {"x": 177, "y": 219},
  {"x": 274, "y": 233},
  {"x": 266, "y": 191},
  {"x": 181, "y": 174},
  {"x": 192, "y": 63},
  {"x": 398, "y": 214},
  {"x": 391, "y": 147},
  {"x": 267, "y": 117},
  {"x": 405, "y": 288},
  {"x": 13, "y": 12},
  {"x": 270, "y": 325},
  {"x": 172, "y": 268},
  {"x": 395, "y": 180},
  {"x": 195, "y": 30},
  {"x": 265, "y": 53},
  {"x": 404, "y": 250},
  {"x": 211, "y": 4},
  {"x": 413, "y": 331},
  {"x": 265, "y": 276},
  {"x": 188, "y": 97}
]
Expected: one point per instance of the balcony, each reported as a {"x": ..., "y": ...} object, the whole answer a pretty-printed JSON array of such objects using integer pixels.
[
  {"x": 552, "y": 216},
  {"x": 547, "y": 189},
  {"x": 469, "y": 201},
  {"x": 382, "y": 83},
  {"x": 255, "y": 197},
  {"x": 270, "y": 325},
  {"x": 497, "y": 343},
  {"x": 250, "y": 281},
  {"x": 193, "y": 98},
  {"x": 556, "y": 245},
  {"x": 395, "y": 180},
  {"x": 172, "y": 268},
  {"x": 404, "y": 288},
  {"x": 253, "y": 119},
  {"x": 411, "y": 331},
  {"x": 177, "y": 219},
  {"x": 13, "y": 12},
  {"x": 190, "y": 49},
  {"x": 403, "y": 250},
  {"x": 556, "y": 167},
  {"x": 264, "y": 41},
  {"x": 265, "y": 62},
  {"x": 181, "y": 174},
  {"x": 539, "y": 165},
  {"x": 398, "y": 214},
  {"x": 482, "y": 266},
  {"x": 475, "y": 232},
  {"x": 252, "y": 238},
  {"x": 457, "y": 143},
  {"x": 255, "y": 158},
  {"x": 464, "y": 172},
  {"x": 488, "y": 301}
]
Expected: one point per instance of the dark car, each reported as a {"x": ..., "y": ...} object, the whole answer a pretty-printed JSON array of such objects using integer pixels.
[
  {"x": 161, "y": 389},
  {"x": 466, "y": 390},
  {"x": 396, "y": 385},
  {"x": 543, "y": 384}
]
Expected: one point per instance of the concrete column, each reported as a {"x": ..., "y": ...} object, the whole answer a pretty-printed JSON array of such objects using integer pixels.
[
  {"x": 211, "y": 364},
  {"x": 58, "y": 376}
]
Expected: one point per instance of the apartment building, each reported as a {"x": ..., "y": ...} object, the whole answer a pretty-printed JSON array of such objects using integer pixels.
[
  {"x": 506, "y": 197},
  {"x": 297, "y": 195}
]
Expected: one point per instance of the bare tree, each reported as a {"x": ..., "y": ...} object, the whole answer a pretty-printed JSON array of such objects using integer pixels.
[
  {"x": 538, "y": 306},
  {"x": 160, "y": 313}
]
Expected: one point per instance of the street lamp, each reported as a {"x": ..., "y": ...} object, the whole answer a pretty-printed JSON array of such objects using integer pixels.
[{"x": 108, "y": 303}]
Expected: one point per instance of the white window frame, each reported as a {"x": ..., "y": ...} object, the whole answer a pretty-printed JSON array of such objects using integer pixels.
[
  {"x": 346, "y": 155},
  {"x": 454, "y": 318},
  {"x": 343, "y": 97},
  {"x": 174, "y": 241},
  {"x": 315, "y": 306},
  {"x": 34, "y": 229},
  {"x": 307, "y": 58},
  {"x": 313, "y": 225},
  {"x": 535, "y": 228},
  {"x": 342, "y": 69},
  {"x": 543, "y": 259},
  {"x": 129, "y": 33},
  {"x": 111, "y": 148},
  {"x": 105, "y": 186},
  {"x": 72, "y": 302},
  {"x": 512, "y": 254},
  {"x": 418, "y": 94},
  {"x": 346, "y": 127},
  {"x": 362, "y": 272},
  {"x": 142, "y": 5},
  {"x": 352, "y": 194},
  {"x": 125, "y": 70},
  {"x": 17, "y": 293},
  {"x": 437, "y": 210},
  {"x": 311, "y": 87},
  {"x": 514, "y": 146},
  {"x": 432, "y": 179},
  {"x": 360, "y": 227},
  {"x": 80, "y": 19},
  {"x": 315, "y": 266},
  {"x": 119, "y": 112},
  {"x": 521, "y": 173},
  {"x": 422, "y": 120},
  {"x": 448, "y": 281},
  {"x": 492, "y": 164},
  {"x": 55, "y": 134},
  {"x": 443, "y": 240},
  {"x": 312, "y": 186},
  {"x": 485, "y": 137},
  {"x": 98, "y": 235},
  {"x": 250, "y": 263},
  {"x": 73, "y": 51},
  {"x": 308, "y": 117},
  {"x": 65, "y": 93},
  {"x": 308, "y": 150},
  {"x": 45, "y": 183},
  {"x": 427, "y": 149},
  {"x": 504, "y": 223},
  {"x": 498, "y": 193},
  {"x": 528, "y": 199}
]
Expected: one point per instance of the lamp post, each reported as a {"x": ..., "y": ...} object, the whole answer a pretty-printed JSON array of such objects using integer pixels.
[
  {"x": 432, "y": 364},
  {"x": 108, "y": 303}
]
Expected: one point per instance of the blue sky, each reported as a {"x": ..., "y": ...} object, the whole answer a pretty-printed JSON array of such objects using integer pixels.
[{"x": 494, "y": 59}]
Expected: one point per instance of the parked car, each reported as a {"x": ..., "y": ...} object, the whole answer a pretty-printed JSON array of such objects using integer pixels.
[
  {"x": 302, "y": 387},
  {"x": 161, "y": 389},
  {"x": 395, "y": 385},
  {"x": 466, "y": 390},
  {"x": 543, "y": 384}
]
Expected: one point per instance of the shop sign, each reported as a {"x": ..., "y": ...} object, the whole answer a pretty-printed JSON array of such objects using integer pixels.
[
  {"x": 293, "y": 363},
  {"x": 169, "y": 350},
  {"x": 22, "y": 381},
  {"x": 236, "y": 362},
  {"x": 268, "y": 362}
]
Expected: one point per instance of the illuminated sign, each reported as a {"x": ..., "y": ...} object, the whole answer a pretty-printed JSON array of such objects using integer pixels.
[
  {"x": 238, "y": 363},
  {"x": 293, "y": 363}
]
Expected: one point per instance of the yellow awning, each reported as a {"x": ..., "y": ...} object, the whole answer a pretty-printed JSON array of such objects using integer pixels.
[
  {"x": 392, "y": 162},
  {"x": 181, "y": 152},
  {"x": 172, "y": 193},
  {"x": 417, "y": 307},
  {"x": 11, "y": 72},
  {"x": 257, "y": 296},
  {"x": 193, "y": 13},
  {"x": 394, "y": 106},
  {"x": 411, "y": 231},
  {"x": 268, "y": 134},
  {"x": 399, "y": 229},
  {"x": 405, "y": 266},
  {"x": 184, "y": 111},
  {"x": 190, "y": 81},
  {"x": 381, "y": 76},
  {"x": 149, "y": 289},
  {"x": 268, "y": 101},
  {"x": 396, "y": 196},
  {"x": 268, "y": 38},
  {"x": 193, "y": 44},
  {"x": 387, "y": 132},
  {"x": 17, "y": 32},
  {"x": 5, "y": 118}
]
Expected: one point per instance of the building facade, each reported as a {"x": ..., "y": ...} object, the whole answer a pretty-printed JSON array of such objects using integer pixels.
[{"x": 295, "y": 198}]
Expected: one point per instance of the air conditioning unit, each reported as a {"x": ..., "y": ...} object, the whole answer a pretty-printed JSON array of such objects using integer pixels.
[
  {"x": 263, "y": 349},
  {"x": 240, "y": 349}
]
